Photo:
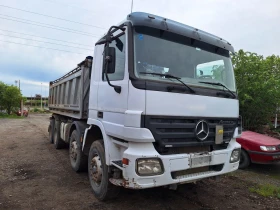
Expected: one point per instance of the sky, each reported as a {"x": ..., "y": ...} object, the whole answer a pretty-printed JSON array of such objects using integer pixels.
[{"x": 252, "y": 25}]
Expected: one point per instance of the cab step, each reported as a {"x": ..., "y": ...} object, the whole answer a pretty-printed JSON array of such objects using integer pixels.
[{"x": 117, "y": 163}]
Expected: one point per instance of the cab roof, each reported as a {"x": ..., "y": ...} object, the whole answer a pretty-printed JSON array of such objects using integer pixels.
[{"x": 149, "y": 20}]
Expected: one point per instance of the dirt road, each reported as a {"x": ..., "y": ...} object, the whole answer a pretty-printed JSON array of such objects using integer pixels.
[{"x": 33, "y": 175}]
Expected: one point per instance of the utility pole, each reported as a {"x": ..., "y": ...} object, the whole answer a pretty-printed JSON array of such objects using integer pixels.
[
  {"x": 21, "y": 101},
  {"x": 41, "y": 96},
  {"x": 45, "y": 102},
  {"x": 131, "y": 6}
]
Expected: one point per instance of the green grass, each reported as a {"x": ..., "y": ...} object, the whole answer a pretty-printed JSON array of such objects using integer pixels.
[
  {"x": 276, "y": 176},
  {"x": 38, "y": 110},
  {"x": 10, "y": 116},
  {"x": 266, "y": 190},
  {"x": 276, "y": 129}
]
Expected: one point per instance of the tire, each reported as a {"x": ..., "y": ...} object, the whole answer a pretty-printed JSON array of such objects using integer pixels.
[
  {"x": 77, "y": 158},
  {"x": 244, "y": 160},
  {"x": 102, "y": 188},
  {"x": 58, "y": 143},
  {"x": 50, "y": 134}
]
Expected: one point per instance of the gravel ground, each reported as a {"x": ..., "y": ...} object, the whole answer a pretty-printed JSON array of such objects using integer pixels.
[
  {"x": 260, "y": 174},
  {"x": 33, "y": 175}
]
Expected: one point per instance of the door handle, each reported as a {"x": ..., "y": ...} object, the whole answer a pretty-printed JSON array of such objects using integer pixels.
[{"x": 100, "y": 114}]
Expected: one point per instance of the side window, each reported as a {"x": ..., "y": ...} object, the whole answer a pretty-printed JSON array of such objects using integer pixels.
[
  {"x": 120, "y": 46},
  {"x": 211, "y": 70}
]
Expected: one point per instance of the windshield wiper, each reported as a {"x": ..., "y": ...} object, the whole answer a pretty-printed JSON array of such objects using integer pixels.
[
  {"x": 219, "y": 84},
  {"x": 171, "y": 77}
]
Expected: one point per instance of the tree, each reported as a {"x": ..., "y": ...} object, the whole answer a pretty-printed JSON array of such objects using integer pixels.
[
  {"x": 37, "y": 95},
  {"x": 24, "y": 99},
  {"x": 258, "y": 84},
  {"x": 11, "y": 98},
  {"x": 218, "y": 72},
  {"x": 2, "y": 89}
]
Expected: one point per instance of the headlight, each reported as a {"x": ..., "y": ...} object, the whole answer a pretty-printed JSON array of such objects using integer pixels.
[
  {"x": 235, "y": 156},
  {"x": 268, "y": 148},
  {"x": 149, "y": 166}
]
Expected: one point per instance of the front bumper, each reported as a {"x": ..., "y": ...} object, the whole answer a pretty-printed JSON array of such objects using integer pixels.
[
  {"x": 264, "y": 157},
  {"x": 171, "y": 164}
]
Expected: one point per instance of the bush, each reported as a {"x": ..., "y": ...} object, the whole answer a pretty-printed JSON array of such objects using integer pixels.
[
  {"x": 36, "y": 110},
  {"x": 3, "y": 114}
]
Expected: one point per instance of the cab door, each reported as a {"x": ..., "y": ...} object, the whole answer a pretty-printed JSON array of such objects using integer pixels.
[{"x": 112, "y": 105}]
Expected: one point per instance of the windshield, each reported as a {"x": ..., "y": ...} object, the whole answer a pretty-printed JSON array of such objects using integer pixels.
[{"x": 159, "y": 51}]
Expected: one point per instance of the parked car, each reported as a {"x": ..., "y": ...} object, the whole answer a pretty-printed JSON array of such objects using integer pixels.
[
  {"x": 25, "y": 112},
  {"x": 258, "y": 148}
]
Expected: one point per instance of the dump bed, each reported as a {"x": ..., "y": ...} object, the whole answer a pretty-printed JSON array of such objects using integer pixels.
[{"x": 69, "y": 95}]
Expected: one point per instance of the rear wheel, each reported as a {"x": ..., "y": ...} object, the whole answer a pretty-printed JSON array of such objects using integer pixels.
[
  {"x": 50, "y": 134},
  {"x": 98, "y": 173},
  {"x": 58, "y": 143},
  {"x": 77, "y": 159},
  {"x": 244, "y": 159}
]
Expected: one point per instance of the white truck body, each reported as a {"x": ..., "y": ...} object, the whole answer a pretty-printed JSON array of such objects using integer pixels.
[{"x": 151, "y": 124}]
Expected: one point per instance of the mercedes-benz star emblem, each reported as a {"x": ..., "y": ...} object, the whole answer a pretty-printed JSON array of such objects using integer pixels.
[{"x": 201, "y": 130}]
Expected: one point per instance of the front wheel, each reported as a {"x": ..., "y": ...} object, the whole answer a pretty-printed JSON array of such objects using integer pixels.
[
  {"x": 244, "y": 159},
  {"x": 98, "y": 173}
]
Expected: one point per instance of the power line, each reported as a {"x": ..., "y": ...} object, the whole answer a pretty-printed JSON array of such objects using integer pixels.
[
  {"x": 44, "y": 37},
  {"x": 49, "y": 16},
  {"x": 68, "y": 29},
  {"x": 46, "y": 42},
  {"x": 41, "y": 47},
  {"x": 70, "y": 5},
  {"x": 49, "y": 27}
]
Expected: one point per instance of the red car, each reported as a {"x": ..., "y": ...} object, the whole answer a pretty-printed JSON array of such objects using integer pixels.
[
  {"x": 24, "y": 113},
  {"x": 258, "y": 148}
]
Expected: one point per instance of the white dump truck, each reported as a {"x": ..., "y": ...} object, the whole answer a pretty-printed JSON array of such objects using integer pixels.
[{"x": 155, "y": 106}]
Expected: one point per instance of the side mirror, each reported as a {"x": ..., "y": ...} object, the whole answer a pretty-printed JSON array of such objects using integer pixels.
[{"x": 110, "y": 56}]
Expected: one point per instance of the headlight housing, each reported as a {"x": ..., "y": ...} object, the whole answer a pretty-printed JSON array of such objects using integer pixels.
[
  {"x": 149, "y": 166},
  {"x": 235, "y": 156},
  {"x": 268, "y": 148}
]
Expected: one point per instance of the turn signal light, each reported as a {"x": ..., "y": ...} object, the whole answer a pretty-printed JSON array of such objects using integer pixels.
[{"x": 125, "y": 161}]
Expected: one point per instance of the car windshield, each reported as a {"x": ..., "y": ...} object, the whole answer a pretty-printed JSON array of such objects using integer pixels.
[{"x": 158, "y": 51}]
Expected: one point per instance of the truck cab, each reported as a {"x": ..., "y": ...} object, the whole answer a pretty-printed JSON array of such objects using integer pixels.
[{"x": 161, "y": 108}]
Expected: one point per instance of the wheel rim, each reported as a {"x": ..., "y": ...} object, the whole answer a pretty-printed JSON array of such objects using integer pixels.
[
  {"x": 74, "y": 150},
  {"x": 96, "y": 170}
]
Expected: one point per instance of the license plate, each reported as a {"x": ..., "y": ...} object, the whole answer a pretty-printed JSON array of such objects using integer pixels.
[
  {"x": 276, "y": 157},
  {"x": 199, "y": 161}
]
